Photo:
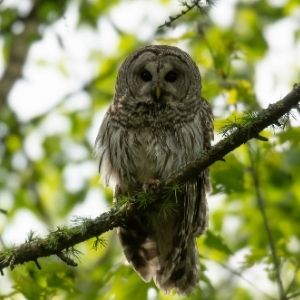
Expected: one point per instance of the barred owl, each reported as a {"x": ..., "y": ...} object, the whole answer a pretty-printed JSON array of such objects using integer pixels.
[{"x": 158, "y": 122}]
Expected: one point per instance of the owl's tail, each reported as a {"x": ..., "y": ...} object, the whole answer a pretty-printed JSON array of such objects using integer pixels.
[
  {"x": 171, "y": 267},
  {"x": 181, "y": 272},
  {"x": 140, "y": 250}
]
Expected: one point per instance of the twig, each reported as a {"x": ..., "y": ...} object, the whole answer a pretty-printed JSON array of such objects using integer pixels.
[
  {"x": 293, "y": 295},
  {"x": 261, "y": 205},
  {"x": 66, "y": 259},
  {"x": 3, "y": 211},
  {"x": 293, "y": 281},
  {"x": 186, "y": 8},
  {"x": 8, "y": 296},
  {"x": 65, "y": 238},
  {"x": 240, "y": 275}
]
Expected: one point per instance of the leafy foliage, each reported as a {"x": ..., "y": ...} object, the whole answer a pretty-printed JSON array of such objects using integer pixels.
[{"x": 48, "y": 169}]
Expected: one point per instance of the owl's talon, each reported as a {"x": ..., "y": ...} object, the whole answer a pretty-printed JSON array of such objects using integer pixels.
[{"x": 151, "y": 184}]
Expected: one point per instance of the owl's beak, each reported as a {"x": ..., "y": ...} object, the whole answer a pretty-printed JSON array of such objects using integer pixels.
[{"x": 157, "y": 92}]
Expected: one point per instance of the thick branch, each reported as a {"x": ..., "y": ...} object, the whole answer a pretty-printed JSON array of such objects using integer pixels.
[
  {"x": 264, "y": 118},
  {"x": 63, "y": 239}
]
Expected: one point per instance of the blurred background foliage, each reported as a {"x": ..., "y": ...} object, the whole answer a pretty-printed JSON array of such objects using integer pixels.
[{"x": 48, "y": 173}]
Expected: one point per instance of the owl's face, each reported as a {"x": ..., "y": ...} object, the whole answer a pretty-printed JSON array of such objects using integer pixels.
[
  {"x": 158, "y": 79},
  {"x": 160, "y": 75}
]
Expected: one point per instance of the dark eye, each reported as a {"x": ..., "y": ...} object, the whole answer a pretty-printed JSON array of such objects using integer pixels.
[
  {"x": 171, "y": 76},
  {"x": 146, "y": 75}
]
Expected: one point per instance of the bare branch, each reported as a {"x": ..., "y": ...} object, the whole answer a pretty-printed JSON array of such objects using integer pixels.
[
  {"x": 294, "y": 279},
  {"x": 64, "y": 239},
  {"x": 293, "y": 295},
  {"x": 241, "y": 276},
  {"x": 186, "y": 8}
]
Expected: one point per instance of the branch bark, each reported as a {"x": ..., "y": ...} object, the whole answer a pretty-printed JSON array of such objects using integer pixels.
[{"x": 59, "y": 241}]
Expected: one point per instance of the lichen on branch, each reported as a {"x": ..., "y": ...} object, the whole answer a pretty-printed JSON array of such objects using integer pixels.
[{"x": 61, "y": 242}]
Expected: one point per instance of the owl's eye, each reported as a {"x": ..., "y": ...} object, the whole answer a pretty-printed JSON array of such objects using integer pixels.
[
  {"x": 146, "y": 75},
  {"x": 171, "y": 76}
]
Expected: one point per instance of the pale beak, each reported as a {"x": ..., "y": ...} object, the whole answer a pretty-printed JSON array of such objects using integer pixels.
[{"x": 157, "y": 92}]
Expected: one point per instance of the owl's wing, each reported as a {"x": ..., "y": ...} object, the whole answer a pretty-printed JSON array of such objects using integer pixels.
[
  {"x": 195, "y": 210},
  {"x": 180, "y": 267},
  {"x": 196, "y": 200},
  {"x": 102, "y": 145},
  {"x": 198, "y": 203},
  {"x": 207, "y": 127},
  {"x": 206, "y": 123}
]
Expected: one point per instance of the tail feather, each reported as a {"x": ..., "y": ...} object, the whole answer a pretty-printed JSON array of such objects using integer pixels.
[
  {"x": 178, "y": 269},
  {"x": 141, "y": 253},
  {"x": 181, "y": 273},
  {"x": 164, "y": 249}
]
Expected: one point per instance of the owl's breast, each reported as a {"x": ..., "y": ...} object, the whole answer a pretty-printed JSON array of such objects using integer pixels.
[
  {"x": 142, "y": 150},
  {"x": 158, "y": 153},
  {"x": 134, "y": 155}
]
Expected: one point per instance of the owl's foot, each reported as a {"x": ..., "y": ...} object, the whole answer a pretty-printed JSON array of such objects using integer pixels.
[{"x": 151, "y": 184}]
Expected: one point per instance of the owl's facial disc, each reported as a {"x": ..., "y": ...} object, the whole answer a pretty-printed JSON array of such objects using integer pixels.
[{"x": 158, "y": 79}]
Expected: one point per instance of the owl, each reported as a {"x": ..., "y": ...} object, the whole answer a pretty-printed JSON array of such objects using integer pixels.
[{"x": 157, "y": 123}]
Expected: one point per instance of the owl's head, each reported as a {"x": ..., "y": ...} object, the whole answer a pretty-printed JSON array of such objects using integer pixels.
[{"x": 158, "y": 75}]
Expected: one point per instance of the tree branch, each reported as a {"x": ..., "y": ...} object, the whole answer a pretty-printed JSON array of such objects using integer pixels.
[
  {"x": 186, "y": 8},
  {"x": 62, "y": 241},
  {"x": 241, "y": 135}
]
